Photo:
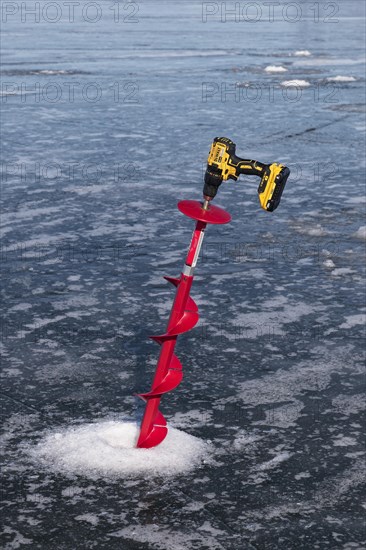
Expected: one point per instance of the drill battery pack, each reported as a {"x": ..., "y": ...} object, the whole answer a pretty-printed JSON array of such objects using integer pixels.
[{"x": 272, "y": 185}]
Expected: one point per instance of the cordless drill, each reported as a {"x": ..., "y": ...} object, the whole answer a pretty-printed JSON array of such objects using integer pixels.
[{"x": 222, "y": 164}]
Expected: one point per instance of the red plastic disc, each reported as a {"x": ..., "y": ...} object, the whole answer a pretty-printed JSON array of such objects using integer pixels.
[{"x": 193, "y": 209}]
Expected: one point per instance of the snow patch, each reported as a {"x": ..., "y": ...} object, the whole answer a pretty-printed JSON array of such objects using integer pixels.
[
  {"x": 275, "y": 69},
  {"x": 24, "y": 306},
  {"x": 89, "y": 518},
  {"x": 315, "y": 231},
  {"x": 107, "y": 449},
  {"x": 361, "y": 199},
  {"x": 295, "y": 83},
  {"x": 329, "y": 263},
  {"x": 341, "y": 79},
  {"x": 270, "y": 318},
  {"x": 192, "y": 418},
  {"x": 361, "y": 232},
  {"x": 274, "y": 462},
  {"x": 349, "y": 404},
  {"x": 162, "y": 538},
  {"x": 342, "y": 271},
  {"x": 53, "y": 72},
  {"x": 343, "y": 441},
  {"x": 302, "y": 53}
]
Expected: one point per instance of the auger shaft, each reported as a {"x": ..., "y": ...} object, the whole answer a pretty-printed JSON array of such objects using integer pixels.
[{"x": 183, "y": 317}]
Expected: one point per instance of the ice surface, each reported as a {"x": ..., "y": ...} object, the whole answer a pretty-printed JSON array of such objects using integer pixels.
[
  {"x": 89, "y": 518},
  {"x": 171, "y": 539},
  {"x": 315, "y": 231},
  {"x": 347, "y": 404},
  {"x": 344, "y": 441},
  {"x": 109, "y": 449}
]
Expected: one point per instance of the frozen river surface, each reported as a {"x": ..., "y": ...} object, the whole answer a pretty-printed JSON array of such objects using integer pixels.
[{"x": 107, "y": 117}]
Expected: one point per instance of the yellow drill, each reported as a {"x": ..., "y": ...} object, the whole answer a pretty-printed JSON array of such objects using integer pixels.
[{"x": 222, "y": 164}]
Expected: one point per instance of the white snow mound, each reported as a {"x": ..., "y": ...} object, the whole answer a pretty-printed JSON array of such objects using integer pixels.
[
  {"x": 361, "y": 232},
  {"x": 296, "y": 83},
  {"x": 275, "y": 69},
  {"x": 341, "y": 78},
  {"x": 107, "y": 448}
]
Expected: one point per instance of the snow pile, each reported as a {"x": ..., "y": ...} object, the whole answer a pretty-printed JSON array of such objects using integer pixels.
[
  {"x": 275, "y": 69},
  {"x": 329, "y": 263},
  {"x": 341, "y": 79},
  {"x": 361, "y": 232},
  {"x": 52, "y": 72},
  {"x": 297, "y": 83},
  {"x": 108, "y": 449}
]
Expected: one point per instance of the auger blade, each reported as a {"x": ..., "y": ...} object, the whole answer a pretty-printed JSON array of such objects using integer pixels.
[
  {"x": 175, "y": 363},
  {"x": 161, "y": 338},
  {"x": 156, "y": 436},
  {"x": 171, "y": 380},
  {"x": 188, "y": 320},
  {"x": 172, "y": 280},
  {"x": 142, "y": 396},
  {"x": 157, "y": 433},
  {"x": 191, "y": 305}
]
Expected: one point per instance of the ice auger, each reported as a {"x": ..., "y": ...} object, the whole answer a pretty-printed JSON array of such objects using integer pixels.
[
  {"x": 183, "y": 317},
  {"x": 222, "y": 164}
]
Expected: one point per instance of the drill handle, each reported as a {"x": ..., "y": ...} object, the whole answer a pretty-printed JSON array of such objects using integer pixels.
[
  {"x": 250, "y": 167},
  {"x": 242, "y": 166}
]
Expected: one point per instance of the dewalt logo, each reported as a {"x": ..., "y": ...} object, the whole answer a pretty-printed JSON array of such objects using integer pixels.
[{"x": 218, "y": 154}]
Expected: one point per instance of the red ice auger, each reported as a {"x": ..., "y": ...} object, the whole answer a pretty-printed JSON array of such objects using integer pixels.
[
  {"x": 183, "y": 317},
  {"x": 222, "y": 164}
]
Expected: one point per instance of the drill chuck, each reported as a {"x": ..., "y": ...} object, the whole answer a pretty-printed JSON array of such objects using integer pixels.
[{"x": 213, "y": 179}]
